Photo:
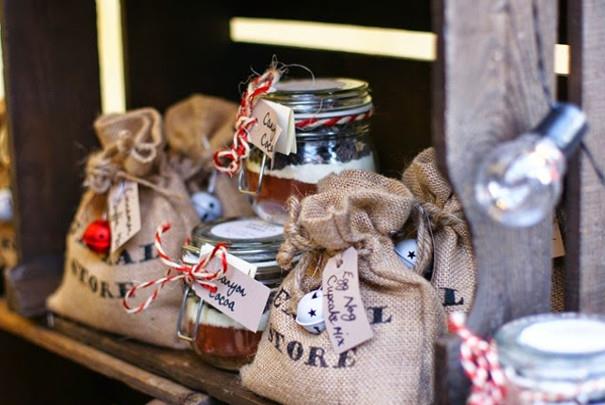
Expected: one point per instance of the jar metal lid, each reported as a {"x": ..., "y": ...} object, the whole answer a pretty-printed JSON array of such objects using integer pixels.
[
  {"x": 323, "y": 96},
  {"x": 250, "y": 239},
  {"x": 564, "y": 346}
]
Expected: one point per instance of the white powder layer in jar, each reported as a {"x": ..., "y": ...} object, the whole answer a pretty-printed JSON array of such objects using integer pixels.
[
  {"x": 312, "y": 173},
  {"x": 213, "y": 317}
]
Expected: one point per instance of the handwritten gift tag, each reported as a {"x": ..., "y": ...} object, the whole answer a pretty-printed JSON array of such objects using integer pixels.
[
  {"x": 124, "y": 213},
  {"x": 285, "y": 117},
  {"x": 265, "y": 133},
  {"x": 274, "y": 130},
  {"x": 239, "y": 295},
  {"x": 345, "y": 316}
]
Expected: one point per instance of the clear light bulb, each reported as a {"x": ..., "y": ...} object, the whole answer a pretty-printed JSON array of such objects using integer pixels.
[{"x": 520, "y": 181}]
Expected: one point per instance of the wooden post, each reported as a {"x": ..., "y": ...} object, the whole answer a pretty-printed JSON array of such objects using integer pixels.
[
  {"x": 52, "y": 93},
  {"x": 487, "y": 90},
  {"x": 585, "y": 204}
]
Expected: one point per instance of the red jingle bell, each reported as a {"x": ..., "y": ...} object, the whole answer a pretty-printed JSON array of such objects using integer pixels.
[{"x": 97, "y": 236}]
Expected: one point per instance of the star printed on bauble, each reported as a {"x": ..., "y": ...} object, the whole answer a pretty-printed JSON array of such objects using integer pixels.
[
  {"x": 411, "y": 254},
  {"x": 314, "y": 295},
  {"x": 312, "y": 313}
]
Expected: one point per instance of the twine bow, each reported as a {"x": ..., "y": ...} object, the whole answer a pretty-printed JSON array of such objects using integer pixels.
[
  {"x": 297, "y": 243},
  {"x": 125, "y": 159},
  {"x": 229, "y": 160},
  {"x": 297, "y": 240},
  {"x": 191, "y": 274}
]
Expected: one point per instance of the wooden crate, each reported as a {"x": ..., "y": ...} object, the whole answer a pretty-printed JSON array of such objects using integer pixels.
[{"x": 482, "y": 89}]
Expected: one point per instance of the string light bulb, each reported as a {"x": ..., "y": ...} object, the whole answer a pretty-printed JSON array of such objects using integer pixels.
[{"x": 520, "y": 181}]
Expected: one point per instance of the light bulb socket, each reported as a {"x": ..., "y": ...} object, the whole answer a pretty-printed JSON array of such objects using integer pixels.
[{"x": 565, "y": 125}]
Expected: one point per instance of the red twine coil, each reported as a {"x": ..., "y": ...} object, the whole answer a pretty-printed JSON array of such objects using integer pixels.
[
  {"x": 191, "y": 274},
  {"x": 479, "y": 360},
  {"x": 229, "y": 160}
]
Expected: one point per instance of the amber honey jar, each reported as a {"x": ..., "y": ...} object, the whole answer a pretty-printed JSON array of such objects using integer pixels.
[
  {"x": 332, "y": 134},
  {"x": 216, "y": 338}
]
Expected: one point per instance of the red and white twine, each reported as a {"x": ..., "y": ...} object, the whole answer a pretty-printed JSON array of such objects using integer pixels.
[
  {"x": 314, "y": 122},
  {"x": 229, "y": 160},
  {"x": 479, "y": 360},
  {"x": 191, "y": 274}
]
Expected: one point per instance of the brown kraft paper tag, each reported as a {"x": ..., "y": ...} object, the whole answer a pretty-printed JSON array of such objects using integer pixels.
[
  {"x": 239, "y": 296},
  {"x": 346, "y": 320},
  {"x": 124, "y": 213},
  {"x": 558, "y": 249}
]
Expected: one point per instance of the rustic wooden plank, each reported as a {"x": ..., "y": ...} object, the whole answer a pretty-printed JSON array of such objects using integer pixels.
[
  {"x": 585, "y": 262},
  {"x": 487, "y": 90},
  {"x": 29, "y": 282},
  {"x": 411, "y": 15},
  {"x": 52, "y": 94},
  {"x": 181, "y": 366},
  {"x": 98, "y": 361}
]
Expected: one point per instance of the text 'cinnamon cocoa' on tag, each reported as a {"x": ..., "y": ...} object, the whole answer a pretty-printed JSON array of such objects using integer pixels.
[{"x": 345, "y": 315}]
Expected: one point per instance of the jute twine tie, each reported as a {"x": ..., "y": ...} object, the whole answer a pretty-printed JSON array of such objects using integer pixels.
[
  {"x": 298, "y": 244},
  {"x": 106, "y": 168}
]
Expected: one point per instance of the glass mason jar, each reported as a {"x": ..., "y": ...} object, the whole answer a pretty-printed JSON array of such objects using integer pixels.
[
  {"x": 336, "y": 137},
  {"x": 554, "y": 359},
  {"x": 216, "y": 338}
]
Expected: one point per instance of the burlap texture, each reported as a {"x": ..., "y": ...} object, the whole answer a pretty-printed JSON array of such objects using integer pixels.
[
  {"x": 196, "y": 127},
  {"x": 93, "y": 285},
  {"x": 451, "y": 257},
  {"x": 292, "y": 366},
  {"x": 137, "y": 134},
  {"x": 557, "y": 295},
  {"x": 200, "y": 124}
]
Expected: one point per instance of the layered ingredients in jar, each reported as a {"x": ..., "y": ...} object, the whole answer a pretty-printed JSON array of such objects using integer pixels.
[
  {"x": 298, "y": 174},
  {"x": 220, "y": 340},
  {"x": 215, "y": 337},
  {"x": 338, "y": 140}
]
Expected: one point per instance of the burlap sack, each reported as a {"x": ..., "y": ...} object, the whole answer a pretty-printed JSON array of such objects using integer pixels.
[
  {"x": 93, "y": 285},
  {"x": 292, "y": 366},
  {"x": 449, "y": 263},
  {"x": 196, "y": 127}
]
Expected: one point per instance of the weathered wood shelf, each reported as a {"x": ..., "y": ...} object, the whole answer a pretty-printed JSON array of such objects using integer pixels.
[{"x": 172, "y": 376}]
